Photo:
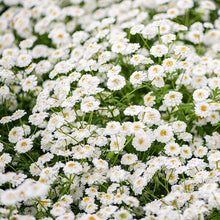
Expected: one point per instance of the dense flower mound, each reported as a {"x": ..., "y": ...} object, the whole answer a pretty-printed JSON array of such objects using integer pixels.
[{"x": 109, "y": 109}]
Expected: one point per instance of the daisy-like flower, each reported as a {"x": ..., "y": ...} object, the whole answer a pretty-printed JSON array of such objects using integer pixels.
[
  {"x": 172, "y": 163},
  {"x": 57, "y": 211},
  {"x": 117, "y": 174},
  {"x": 5, "y": 158},
  {"x": 172, "y": 149},
  {"x": 117, "y": 142},
  {"x": 107, "y": 199},
  {"x": 169, "y": 65},
  {"x": 200, "y": 95},
  {"x": 132, "y": 110},
  {"x": 214, "y": 117},
  {"x": 118, "y": 47},
  {"x": 200, "y": 151},
  {"x": 9, "y": 197},
  {"x": 185, "y": 152},
  {"x": 138, "y": 184},
  {"x": 137, "y": 77},
  {"x": 72, "y": 167},
  {"x": 137, "y": 29},
  {"x": 155, "y": 71},
  {"x": 158, "y": 82},
  {"x": 202, "y": 109},
  {"x": 91, "y": 208},
  {"x": 172, "y": 13},
  {"x": 112, "y": 127},
  {"x": 158, "y": 50},
  {"x": 182, "y": 50},
  {"x": 122, "y": 214},
  {"x": 15, "y": 134},
  {"x": 37, "y": 189},
  {"x": 172, "y": 98},
  {"x": 164, "y": 133},
  {"x": 100, "y": 164},
  {"x": 141, "y": 142},
  {"x": 136, "y": 59},
  {"x": 185, "y": 4},
  {"x": 128, "y": 159},
  {"x": 116, "y": 82},
  {"x": 27, "y": 43},
  {"x": 149, "y": 99},
  {"x": 4, "y": 90},
  {"x": 37, "y": 118},
  {"x": 6, "y": 119},
  {"x": 56, "y": 121},
  {"x": 29, "y": 83},
  {"x": 151, "y": 116},
  {"x": 18, "y": 114},
  {"x": 24, "y": 145},
  {"x": 23, "y": 60},
  {"x": 179, "y": 126}
]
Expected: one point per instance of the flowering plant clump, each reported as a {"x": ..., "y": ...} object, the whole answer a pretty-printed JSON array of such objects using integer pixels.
[{"x": 109, "y": 109}]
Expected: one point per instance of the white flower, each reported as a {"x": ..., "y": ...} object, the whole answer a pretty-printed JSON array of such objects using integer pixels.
[
  {"x": 169, "y": 65},
  {"x": 24, "y": 145},
  {"x": 179, "y": 126},
  {"x": 29, "y": 83},
  {"x": 132, "y": 110},
  {"x": 118, "y": 47},
  {"x": 172, "y": 163},
  {"x": 185, "y": 136},
  {"x": 200, "y": 95},
  {"x": 141, "y": 142},
  {"x": 6, "y": 119},
  {"x": 117, "y": 174},
  {"x": 198, "y": 82},
  {"x": 122, "y": 214},
  {"x": 172, "y": 149},
  {"x": 89, "y": 104},
  {"x": 164, "y": 133},
  {"x": 158, "y": 82},
  {"x": 4, "y": 91},
  {"x": 136, "y": 29},
  {"x": 18, "y": 114},
  {"x": 182, "y": 50},
  {"x": 149, "y": 99},
  {"x": 151, "y": 116},
  {"x": 137, "y": 77},
  {"x": 128, "y": 159},
  {"x": 172, "y": 98},
  {"x": 5, "y": 158},
  {"x": 9, "y": 197},
  {"x": 72, "y": 167},
  {"x": 37, "y": 118},
  {"x": 37, "y": 189},
  {"x": 172, "y": 13},
  {"x": 158, "y": 50},
  {"x": 116, "y": 82},
  {"x": 200, "y": 151},
  {"x": 56, "y": 121},
  {"x": 214, "y": 117},
  {"x": 23, "y": 60},
  {"x": 100, "y": 164},
  {"x": 117, "y": 142},
  {"x": 155, "y": 71},
  {"x": 27, "y": 43},
  {"x": 202, "y": 109},
  {"x": 15, "y": 134},
  {"x": 185, "y": 4}
]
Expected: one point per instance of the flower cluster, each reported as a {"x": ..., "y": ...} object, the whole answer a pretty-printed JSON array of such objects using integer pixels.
[{"x": 110, "y": 109}]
